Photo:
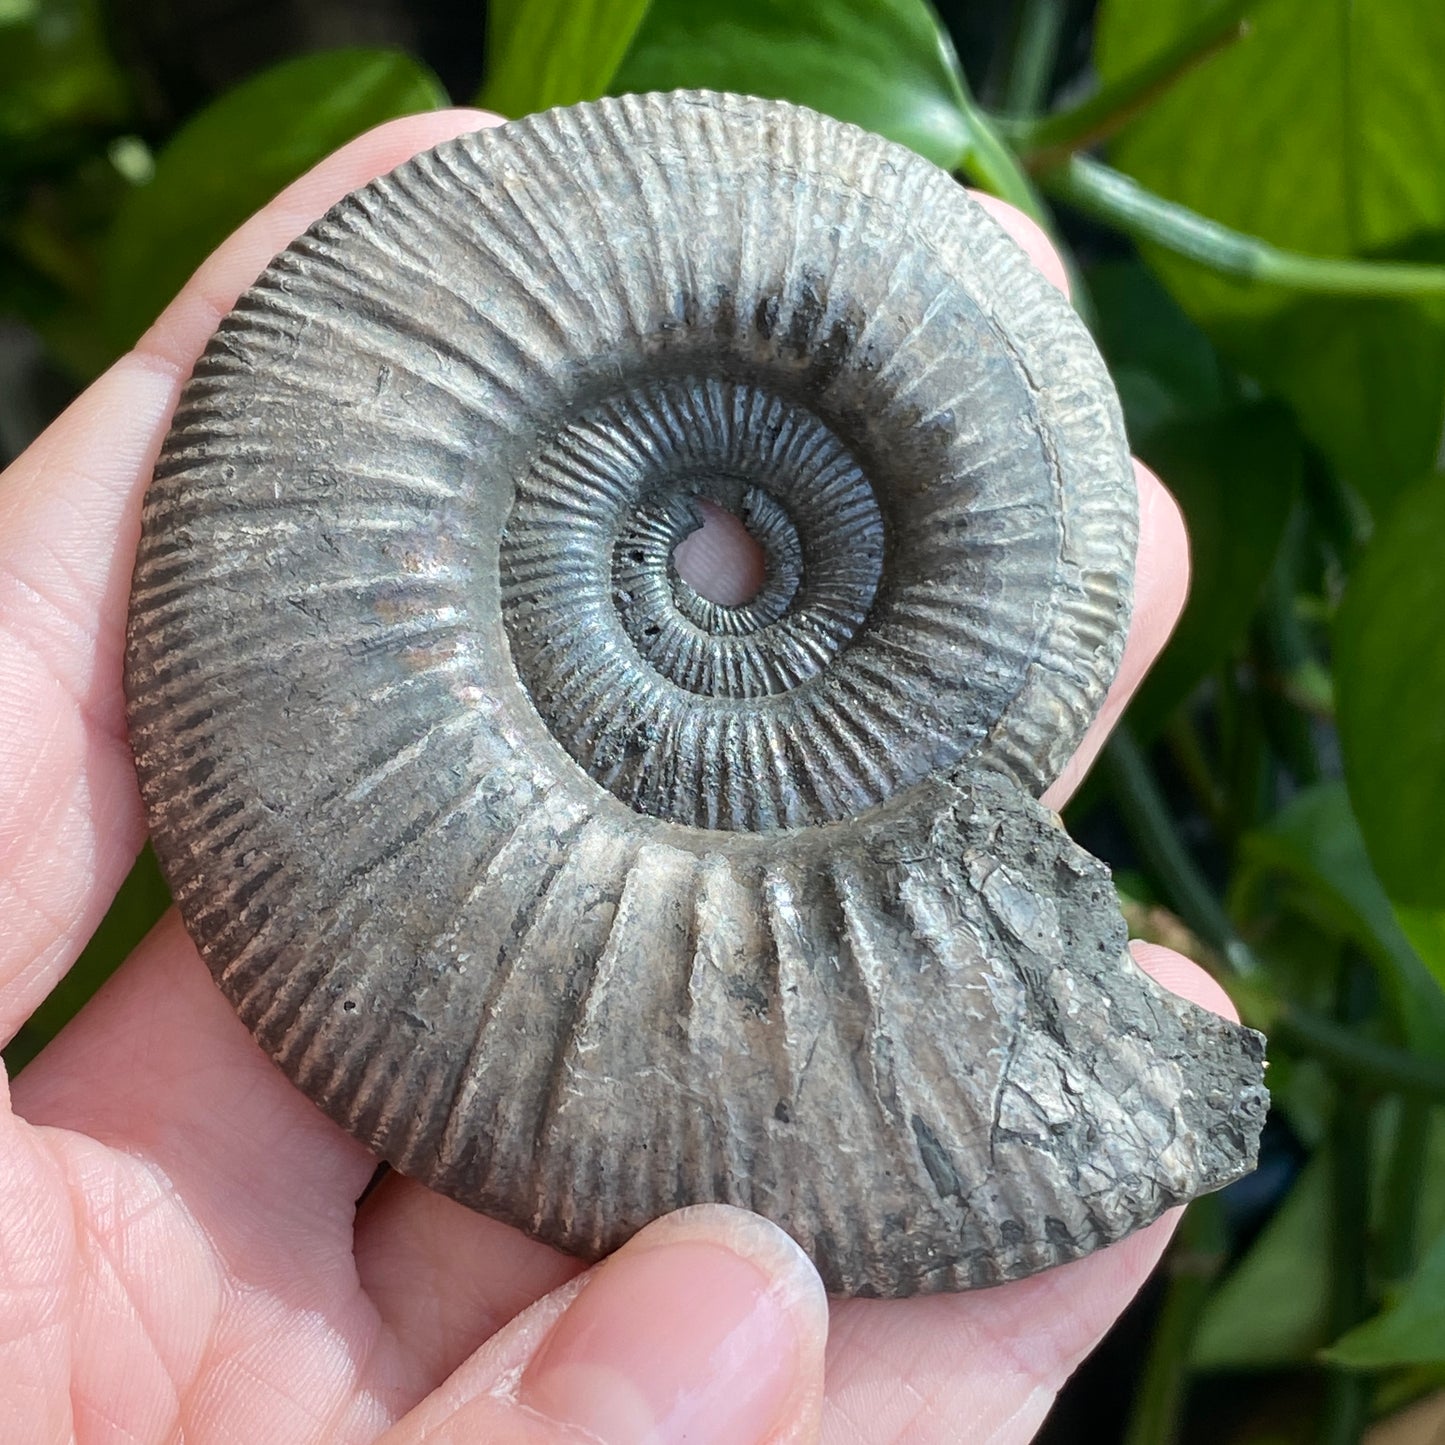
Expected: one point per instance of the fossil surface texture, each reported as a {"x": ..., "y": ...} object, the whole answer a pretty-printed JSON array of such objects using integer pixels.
[{"x": 577, "y": 895}]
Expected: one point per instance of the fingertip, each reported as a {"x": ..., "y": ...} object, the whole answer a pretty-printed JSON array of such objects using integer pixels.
[
  {"x": 1162, "y": 572},
  {"x": 775, "y": 1253},
  {"x": 1030, "y": 235},
  {"x": 1184, "y": 977},
  {"x": 721, "y": 559},
  {"x": 710, "y": 1325},
  {"x": 373, "y": 153}
]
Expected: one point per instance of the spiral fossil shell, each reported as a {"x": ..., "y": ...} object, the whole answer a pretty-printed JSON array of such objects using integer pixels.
[{"x": 579, "y": 896}]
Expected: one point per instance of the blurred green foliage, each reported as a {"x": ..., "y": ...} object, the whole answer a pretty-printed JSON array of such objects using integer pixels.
[
  {"x": 1397, "y": 774},
  {"x": 1343, "y": 106},
  {"x": 292, "y": 115},
  {"x": 882, "y": 64},
  {"x": 555, "y": 52},
  {"x": 1278, "y": 337}
]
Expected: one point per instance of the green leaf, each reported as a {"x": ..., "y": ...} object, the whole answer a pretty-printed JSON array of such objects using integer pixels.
[
  {"x": 1320, "y": 131},
  {"x": 1390, "y": 687},
  {"x": 57, "y": 76},
  {"x": 1365, "y": 377},
  {"x": 234, "y": 156},
  {"x": 1271, "y": 1308},
  {"x": 1411, "y": 1331},
  {"x": 1425, "y": 928},
  {"x": 1315, "y": 843},
  {"x": 1233, "y": 466},
  {"x": 1390, "y": 667},
  {"x": 1235, "y": 474},
  {"x": 885, "y": 65},
  {"x": 542, "y": 53}
]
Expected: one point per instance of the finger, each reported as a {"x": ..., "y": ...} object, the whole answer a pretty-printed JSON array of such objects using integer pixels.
[
  {"x": 70, "y": 817},
  {"x": 157, "y": 1065},
  {"x": 983, "y": 1366},
  {"x": 187, "y": 323},
  {"x": 721, "y": 560},
  {"x": 160, "y": 1027},
  {"x": 914, "y": 1369},
  {"x": 1185, "y": 977},
  {"x": 443, "y": 1278},
  {"x": 1161, "y": 576},
  {"x": 1030, "y": 235},
  {"x": 1161, "y": 586},
  {"x": 708, "y": 1326}
]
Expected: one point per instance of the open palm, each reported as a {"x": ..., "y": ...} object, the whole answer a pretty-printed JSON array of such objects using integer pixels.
[{"x": 182, "y": 1254}]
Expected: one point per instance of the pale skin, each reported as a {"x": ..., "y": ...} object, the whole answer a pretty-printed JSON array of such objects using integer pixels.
[{"x": 181, "y": 1252}]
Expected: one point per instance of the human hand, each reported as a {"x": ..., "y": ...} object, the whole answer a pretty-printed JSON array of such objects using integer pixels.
[{"x": 181, "y": 1252}]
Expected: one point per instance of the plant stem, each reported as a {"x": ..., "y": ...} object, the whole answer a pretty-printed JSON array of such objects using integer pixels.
[
  {"x": 1400, "y": 1224},
  {"x": 1032, "y": 55},
  {"x": 989, "y": 163},
  {"x": 1346, "y": 1402},
  {"x": 1347, "y": 1054},
  {"x": 1051, "y": 137},
  {"x": 1120, "y": 201},
  {"x": 1187, "y": 750},
  {"x": 1147, "y": 817},
  {"x": 1194, "y": 1261},
  {"x": 1284, "y": 652}
]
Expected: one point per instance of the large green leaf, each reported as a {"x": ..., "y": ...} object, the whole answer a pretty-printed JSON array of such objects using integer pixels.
[
  {"x": 1271, "y": 1309},
  {"x": 235, "y": 155},
  {"x": 1274, "y": 1306},
  {"x": 1165, "y": 367},
  {"x": 1365, "y": 377},
  {"x": 883, "y": 64},
  {"x": 542, "y": 53},
  {"x": 1410, "y": 1332},
  {"x": 1323, "y": 131},
  {"x": 1425, "y": 928},
  {"x": 1232, "y": 465},
  {"x": 1390, "y": 686},
  {"x": 1314, "y": 844}
]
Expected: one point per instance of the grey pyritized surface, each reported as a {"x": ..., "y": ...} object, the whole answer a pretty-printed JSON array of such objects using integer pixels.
[{"x": 576, "y": 895}]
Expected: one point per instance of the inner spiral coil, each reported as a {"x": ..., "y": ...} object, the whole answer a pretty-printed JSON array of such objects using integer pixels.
[{"x": 640, "y": 677}]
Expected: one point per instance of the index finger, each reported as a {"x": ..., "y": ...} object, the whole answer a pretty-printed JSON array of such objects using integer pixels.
[{"x": 71, "y": 821}]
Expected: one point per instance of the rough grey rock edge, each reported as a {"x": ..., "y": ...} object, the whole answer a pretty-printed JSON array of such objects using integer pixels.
[{"x": 575, "y": 895}]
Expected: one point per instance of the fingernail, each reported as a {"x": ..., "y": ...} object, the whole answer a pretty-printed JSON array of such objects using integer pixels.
[{"x": 698, "y": 1334}]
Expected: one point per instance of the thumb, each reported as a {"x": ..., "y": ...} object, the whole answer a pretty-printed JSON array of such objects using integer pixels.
[{"x": 707, "y": 1327}]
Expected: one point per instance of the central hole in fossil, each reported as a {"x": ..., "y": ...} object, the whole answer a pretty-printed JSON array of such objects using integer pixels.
[{"x": 721, "y": 560}]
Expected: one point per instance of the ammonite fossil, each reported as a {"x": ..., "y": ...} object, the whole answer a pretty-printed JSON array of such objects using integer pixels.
[{"x": 577, "y": 895}]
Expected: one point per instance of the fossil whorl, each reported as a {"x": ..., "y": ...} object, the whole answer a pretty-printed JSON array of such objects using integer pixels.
[{"x": 579, "y": 896}]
